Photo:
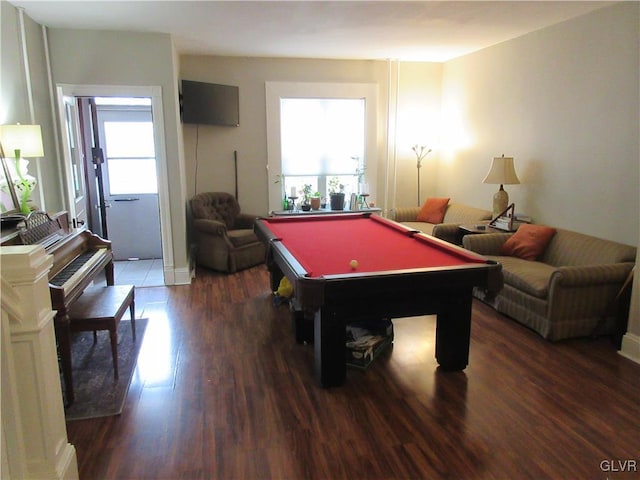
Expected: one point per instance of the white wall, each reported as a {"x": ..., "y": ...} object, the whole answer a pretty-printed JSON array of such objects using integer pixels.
[
  {"x": 564, "y": 102},
  {"x": 15, "y": 106},
  {"x": 86, "y": 57},
  {"x": 419, "y": 123}
]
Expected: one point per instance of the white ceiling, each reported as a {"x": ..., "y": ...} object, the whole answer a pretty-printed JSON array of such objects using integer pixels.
[{"x": 421, "y": 31}]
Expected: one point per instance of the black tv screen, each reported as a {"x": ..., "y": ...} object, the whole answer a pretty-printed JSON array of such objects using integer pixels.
[{"x": 210, "y": 104}]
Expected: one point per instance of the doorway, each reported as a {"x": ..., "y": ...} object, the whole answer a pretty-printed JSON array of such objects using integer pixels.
[
  {"x": 130, "y": 184},
  {"x": 134, "y": 182}
]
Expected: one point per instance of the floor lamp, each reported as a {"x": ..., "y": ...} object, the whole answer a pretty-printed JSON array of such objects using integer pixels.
[{"x": 420, "y": 154}]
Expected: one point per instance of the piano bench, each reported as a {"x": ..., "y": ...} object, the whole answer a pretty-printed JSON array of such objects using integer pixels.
[{"x": 101, "y": 308}]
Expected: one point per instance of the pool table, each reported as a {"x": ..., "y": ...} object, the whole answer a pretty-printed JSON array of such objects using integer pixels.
[{"x": 400, "y": 272}]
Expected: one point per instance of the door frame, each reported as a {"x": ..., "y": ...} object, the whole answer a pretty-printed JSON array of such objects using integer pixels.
[
  {"x": 73, "y": 149},
  {"x": 155, "y": 93}
]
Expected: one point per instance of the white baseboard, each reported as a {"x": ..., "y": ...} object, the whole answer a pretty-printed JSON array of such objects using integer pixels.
[
  {"x": 181, "y": 276},
  {"x": 631, "y": 347}
]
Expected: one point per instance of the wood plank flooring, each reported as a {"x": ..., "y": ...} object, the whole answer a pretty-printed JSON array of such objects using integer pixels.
[{"x": 222, "y": 391}]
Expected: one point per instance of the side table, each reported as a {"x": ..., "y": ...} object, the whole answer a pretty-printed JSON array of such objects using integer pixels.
[
  {"x": 478, "y": 228},
  {"x": 481, "y": 228}
]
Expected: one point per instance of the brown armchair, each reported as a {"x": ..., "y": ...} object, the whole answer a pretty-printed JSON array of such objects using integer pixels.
[{"x": 224, "y": 236}]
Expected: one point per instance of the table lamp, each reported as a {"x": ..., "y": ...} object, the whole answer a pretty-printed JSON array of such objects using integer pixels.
[
  {"x": 502, "y": 172},
  {"x": 26, "y": 142}
]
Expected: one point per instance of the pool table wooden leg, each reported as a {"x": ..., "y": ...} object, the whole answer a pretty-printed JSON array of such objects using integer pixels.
[
  {"x": 329, "y": 346},
  {"x": 301, "y": 322},
  {"x": 453, "y": 332}
]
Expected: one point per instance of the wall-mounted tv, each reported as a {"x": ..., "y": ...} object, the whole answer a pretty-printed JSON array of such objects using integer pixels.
[{"x": 210, "y": 104}]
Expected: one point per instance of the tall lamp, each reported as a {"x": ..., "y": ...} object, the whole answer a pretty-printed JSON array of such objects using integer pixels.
[
  {"x": 502, "y": 172},
  {"x": 26, "y": 142},
  {"x": 420, "y": 154}
]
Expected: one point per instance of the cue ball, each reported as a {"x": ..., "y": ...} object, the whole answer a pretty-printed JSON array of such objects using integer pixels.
[{"x": 353, "y": 264}]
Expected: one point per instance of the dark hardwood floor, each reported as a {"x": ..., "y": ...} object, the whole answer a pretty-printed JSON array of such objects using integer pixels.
[{"x": 222, "y": 391}]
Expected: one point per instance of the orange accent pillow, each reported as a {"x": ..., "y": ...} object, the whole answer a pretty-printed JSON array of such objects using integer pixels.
[
  {"x": 433, "y": 210},
  {"x": 528, "y": 242}
]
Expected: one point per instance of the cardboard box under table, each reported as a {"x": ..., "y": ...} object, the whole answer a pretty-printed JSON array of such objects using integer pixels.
[{"x": 366, "y": 340}]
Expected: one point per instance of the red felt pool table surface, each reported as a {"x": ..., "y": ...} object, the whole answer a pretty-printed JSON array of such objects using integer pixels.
[{"x": 325, "y": 245}]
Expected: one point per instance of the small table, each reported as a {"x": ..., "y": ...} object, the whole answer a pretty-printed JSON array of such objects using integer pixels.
[
  {"x": 401, "y": 272},
  {"x": 478, "y": 228}
]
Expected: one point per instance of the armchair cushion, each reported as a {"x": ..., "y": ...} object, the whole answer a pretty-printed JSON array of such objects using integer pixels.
[
  {"x": 210, "y": 226},
  {"x": 242, "y": 237}
]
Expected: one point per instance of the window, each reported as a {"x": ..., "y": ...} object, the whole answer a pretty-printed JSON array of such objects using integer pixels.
[
  {"x": 131, "y": 157},
  {"x": 322, "y": 141},
  {"x": 318, "y": 133}
]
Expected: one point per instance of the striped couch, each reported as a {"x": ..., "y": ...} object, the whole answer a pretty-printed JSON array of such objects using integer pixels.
[
  {"x": 569, "y": 292},
  {"x": 455, "y": 215}
]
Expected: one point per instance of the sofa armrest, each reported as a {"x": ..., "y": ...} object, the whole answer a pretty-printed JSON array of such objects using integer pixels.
[
  {"x": 406, "y": 214},
  {"x": 579, "y": 276},
  {"x": 245, "y": 220},
  {"x": 210, "y": 226},
  {"x": 448, "y": 232},
  {"x": 584, "y": 292},
  {"x": 485, "y": 243}
]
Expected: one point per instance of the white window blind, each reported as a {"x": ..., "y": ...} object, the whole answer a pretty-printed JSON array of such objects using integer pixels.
[{"x": 321, "y": 136}]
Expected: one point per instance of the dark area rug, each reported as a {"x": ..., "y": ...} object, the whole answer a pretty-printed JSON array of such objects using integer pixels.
[{"x": 97, "y": 392}]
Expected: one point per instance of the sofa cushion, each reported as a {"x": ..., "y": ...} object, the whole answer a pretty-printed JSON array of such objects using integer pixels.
[
  {"x": 433, "y": 210},
  {"x": 525, "y": 275},
  {"x": 528, "y": 242},
  {"x": 459, "y": 213},
  {"x": 573, "y": 248}
]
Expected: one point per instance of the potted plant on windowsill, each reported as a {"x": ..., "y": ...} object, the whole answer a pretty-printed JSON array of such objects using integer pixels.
[
  {"x": 336, "y": 194},
  {"x": 306, "y": 192},
  {"x": 315, "y": 201}
]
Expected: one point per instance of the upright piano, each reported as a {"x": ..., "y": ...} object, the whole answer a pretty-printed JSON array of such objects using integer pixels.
[{"x": 79, "y": 256}]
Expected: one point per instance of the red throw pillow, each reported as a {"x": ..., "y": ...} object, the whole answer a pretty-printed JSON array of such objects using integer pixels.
[
  {"x": 433, "y": 210},
  {"x": 528, "y": 242}
]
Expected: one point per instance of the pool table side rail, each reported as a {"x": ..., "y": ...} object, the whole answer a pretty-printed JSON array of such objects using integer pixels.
[
  {"x": 315, "y": 292},
  {"x": 395, "y": 285}
]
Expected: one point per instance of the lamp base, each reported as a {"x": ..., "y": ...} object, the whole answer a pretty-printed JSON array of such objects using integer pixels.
[{"x": 500, "y": 201}]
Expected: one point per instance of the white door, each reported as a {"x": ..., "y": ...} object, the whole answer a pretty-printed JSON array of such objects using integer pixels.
[
  {"x": 74, "y": 167},
  {"x": 130, "y": 181}
]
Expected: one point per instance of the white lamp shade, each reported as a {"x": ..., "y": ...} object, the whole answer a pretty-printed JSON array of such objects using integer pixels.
[
  {"x": 26, "y": 138},
  {"x": 502, "y": 172}
]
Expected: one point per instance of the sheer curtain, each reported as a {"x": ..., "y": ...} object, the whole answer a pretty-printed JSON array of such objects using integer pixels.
[{"x": 321, "y": 136}]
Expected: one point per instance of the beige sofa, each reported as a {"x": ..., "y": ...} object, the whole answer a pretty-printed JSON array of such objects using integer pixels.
[
  {"x": 569, "y": 291},
  {"x": 456, "y": 214}
]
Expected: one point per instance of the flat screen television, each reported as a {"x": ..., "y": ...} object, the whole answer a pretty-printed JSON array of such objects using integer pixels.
[{"x": 210, "y": 104}]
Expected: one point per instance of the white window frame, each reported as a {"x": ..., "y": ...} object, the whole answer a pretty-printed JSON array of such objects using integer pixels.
[{"x": 278, "y": 90}]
